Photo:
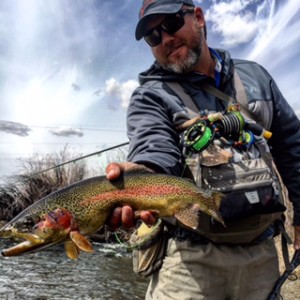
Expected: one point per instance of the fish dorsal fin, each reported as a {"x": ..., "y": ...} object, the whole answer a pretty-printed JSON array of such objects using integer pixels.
[
  {"x": 81, "y": 241},
  {"x": 71, "y": 249}
]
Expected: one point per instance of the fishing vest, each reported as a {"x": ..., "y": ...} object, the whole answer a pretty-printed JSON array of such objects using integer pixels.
[{"x": 242, "y": 169}]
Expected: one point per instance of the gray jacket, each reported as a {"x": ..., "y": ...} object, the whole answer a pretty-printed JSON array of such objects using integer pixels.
[{"x": 155, "y": 110}]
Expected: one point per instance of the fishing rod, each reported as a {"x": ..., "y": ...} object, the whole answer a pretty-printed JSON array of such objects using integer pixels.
[
  {"x": 275, "y": 293},
  {"x": 79, "y": 158}
]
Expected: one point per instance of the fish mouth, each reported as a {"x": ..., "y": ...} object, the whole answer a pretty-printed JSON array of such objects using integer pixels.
[
  {"x": 32, "y": 243},
  {"x": 51, "y": 229},
  {"x": 27, "y": 247}
]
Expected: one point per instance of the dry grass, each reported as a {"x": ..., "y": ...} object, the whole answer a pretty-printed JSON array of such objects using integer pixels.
[{"x": 20, "y": 191}]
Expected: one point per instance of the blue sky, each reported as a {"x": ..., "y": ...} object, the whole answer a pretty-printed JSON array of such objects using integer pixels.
[{"x": 68, "y": 67}]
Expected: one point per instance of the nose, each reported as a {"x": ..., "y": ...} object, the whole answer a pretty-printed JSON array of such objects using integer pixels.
[{"x": 166, "y": 38}]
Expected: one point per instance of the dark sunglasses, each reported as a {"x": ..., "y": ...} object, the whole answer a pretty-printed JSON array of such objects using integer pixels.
[{"x": 169, "y": 25}]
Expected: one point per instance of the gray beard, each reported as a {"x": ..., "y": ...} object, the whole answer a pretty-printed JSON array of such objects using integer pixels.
[{"x": 186, "y": 65}]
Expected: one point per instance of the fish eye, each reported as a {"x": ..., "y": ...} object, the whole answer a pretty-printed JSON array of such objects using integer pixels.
[{"x": 25, "y": 224}]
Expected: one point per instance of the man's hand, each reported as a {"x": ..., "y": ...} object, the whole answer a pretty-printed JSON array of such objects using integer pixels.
[
  {"x": 297, "y": 237},
  {"x": 124, "y": 216},
  {"x": 114, "y": 170}
]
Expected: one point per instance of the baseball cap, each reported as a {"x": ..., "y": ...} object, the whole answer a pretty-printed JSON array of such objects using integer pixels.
[{"x": 152, "y": 7}]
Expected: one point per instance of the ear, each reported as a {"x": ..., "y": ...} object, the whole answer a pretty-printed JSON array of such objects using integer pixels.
[{"x": 200, "y": 16}]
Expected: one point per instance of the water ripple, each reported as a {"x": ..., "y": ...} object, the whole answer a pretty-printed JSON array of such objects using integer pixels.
[{"x": 50, "y": 275}]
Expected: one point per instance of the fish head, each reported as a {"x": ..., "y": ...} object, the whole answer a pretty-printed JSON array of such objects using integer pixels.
[
  {"x": 52, "y": 228},
  {"x": 54, "y": 224},
  {"x": 23, "y": 224}
]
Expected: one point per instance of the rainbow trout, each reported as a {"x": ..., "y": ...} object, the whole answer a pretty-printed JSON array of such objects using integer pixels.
[{"x": 74, "y": 212}]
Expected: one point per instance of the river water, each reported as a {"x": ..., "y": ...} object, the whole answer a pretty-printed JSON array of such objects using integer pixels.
[
  {"x": 49, "y": 274},
  {"x": 105, "y": 274}
]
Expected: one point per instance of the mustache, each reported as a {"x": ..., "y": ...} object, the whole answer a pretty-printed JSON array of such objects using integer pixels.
[{"x": 184, "y": 65}]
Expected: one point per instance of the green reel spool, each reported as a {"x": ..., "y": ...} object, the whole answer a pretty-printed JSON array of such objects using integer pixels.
[{"x": 198, "y": 136}]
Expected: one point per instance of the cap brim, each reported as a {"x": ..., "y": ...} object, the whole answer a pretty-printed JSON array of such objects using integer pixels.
[{"x": 160, "y": 10}]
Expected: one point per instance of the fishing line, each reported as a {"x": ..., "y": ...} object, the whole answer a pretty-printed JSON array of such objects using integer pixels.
[
  {"x": 185, "y": 164},
  {"x": 130, "y": 246},
  {"x": 126, "y": 245},
  {"x": 144, "y": 239},
  {"x": 74, "y": 160},
  {"x": 81, "y": 157}
]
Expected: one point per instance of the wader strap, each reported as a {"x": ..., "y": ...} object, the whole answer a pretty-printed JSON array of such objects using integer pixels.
[
  {"x": 240, "y": 89},
  {"x": 240, "y": 94},
  {"x": 285, "y": 241},
  {"x": 241, "y": 97},
  {"x": 183, "y": 95},
  {"x": 214, "y": 91}
]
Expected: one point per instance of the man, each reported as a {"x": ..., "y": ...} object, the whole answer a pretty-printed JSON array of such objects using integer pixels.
[{"x": 214, "y": 265}]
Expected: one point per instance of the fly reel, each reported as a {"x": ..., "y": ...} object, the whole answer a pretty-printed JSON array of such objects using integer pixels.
[{"x": 198, "y": 136}]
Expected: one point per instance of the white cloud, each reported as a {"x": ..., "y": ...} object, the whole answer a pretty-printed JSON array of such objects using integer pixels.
[
  {"x": 67, "y": 131},
  {"x": 281, "y": 32},
  {"x": 121, "y": 90},
  {"x": 233, "y": 21},
  {"x": 14, "y": 128}
]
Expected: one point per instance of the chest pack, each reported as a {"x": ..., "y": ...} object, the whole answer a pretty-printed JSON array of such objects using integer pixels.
[{"x": 228, "y": 152}]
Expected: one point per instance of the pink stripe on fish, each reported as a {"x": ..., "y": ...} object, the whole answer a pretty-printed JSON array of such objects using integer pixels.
[{"x": 134, "y": 192}]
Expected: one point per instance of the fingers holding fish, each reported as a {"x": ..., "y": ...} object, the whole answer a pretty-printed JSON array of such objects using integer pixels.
[
  {"x": 125, "y": 217},
  {"x": 147, "y": 217},
  {"x": 121, "y": 216},
  {"x": 114, "y": 170}
]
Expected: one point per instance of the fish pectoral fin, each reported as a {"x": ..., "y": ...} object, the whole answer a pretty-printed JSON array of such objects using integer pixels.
[
  {"x": 217, "y": 216},
  {"x": 72, "y": 250},
  {"x": 188, "y": 216},
  {"x": 213, "y": 209},
  {"x": 81, "y": 241}
]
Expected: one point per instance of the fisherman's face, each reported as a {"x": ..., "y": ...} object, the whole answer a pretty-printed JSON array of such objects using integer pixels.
[{"x": 180, "y": 52}]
